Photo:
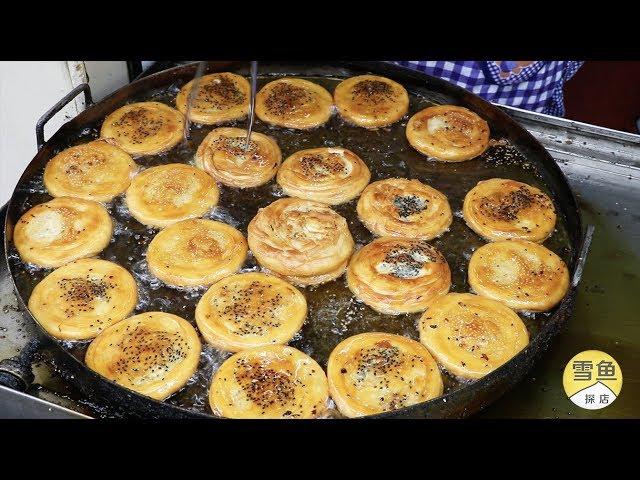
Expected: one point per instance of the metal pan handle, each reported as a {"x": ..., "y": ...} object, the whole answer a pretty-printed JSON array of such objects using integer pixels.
[
  {"x": 582, "y": 258},
  {"x": 15, "y": 372},
  {"x": 83, "y": 87}
]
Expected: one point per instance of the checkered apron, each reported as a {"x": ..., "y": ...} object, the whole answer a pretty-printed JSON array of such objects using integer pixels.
[{"x": 537, "y": 86}]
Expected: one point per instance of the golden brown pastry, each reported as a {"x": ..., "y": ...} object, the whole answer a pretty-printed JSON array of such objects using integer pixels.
[
  {"x": 144, "y": 128},
  {"x": 269, "y": 382},
  {"x": 523, "y": 275},
  {"x": 305, "y": 242},
  {"x": 294, "y": 103},
  {"x": 153, "y": 353},
  {"x": 448, "y": 133},
  {"x": 371, "y": 101},
  {"x": 470, "y": 335},
  {"x": 80, "y": 299},
  {"x": 396, "y": 275},
  {"x": 250, "y": 310},
  {"x": 196, "y": 252},
  {"x": 500, "y": 209},
  {"x": 62, "y": 230},
  {"x": 404, "y": 208},
  {"x": 221, "y": 97},
  {"x": 93, "y": 171},
  {"x": 163, "y": 195},
  {"x": 222, "y": 155},
  {"x": 375, "y": 372},
  {"x": 329, "y": 175}
]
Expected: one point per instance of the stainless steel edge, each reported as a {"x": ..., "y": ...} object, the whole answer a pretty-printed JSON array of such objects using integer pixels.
[
  {"x": 18, "y": 405},
  {"x": 569, "y": 140}
]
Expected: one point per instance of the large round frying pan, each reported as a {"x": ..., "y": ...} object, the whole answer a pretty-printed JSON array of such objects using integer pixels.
[{"x": 518, "y": 155}]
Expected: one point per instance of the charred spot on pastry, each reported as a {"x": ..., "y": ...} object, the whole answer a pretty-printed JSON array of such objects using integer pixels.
[
  {"x": 264, "y": 386},
  {"x": 143, "y": 125},
  {"x": 507, "y": 207},
  {"x": 372, "y": 91},
  {"x": 147, "y": 355},
  {"x": 407, "y": 205},
  {"x": 383, "y": 361},
  {"x": 83, "y": 163},
  {"x": 403, "y": 262},
  {"x": 250, "y": 318},
  {"x": 403, "y": 265},
  {"x": 285, "y": 98},
  {"x": 235, "y": 146},
  {"x": 319, "y": 166},
  {"x": 378, "y": 360},
  {"x": 79, "y": 293},
  {"x": 221, "y": 87}
]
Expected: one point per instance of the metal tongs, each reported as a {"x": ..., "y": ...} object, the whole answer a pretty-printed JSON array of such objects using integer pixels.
[
  {"x": 252, "y": 105},
  {"x": 194, "y": 93}
]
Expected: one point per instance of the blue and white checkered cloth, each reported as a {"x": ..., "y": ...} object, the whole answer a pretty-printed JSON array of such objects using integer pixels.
[{"x": 537, "y": 87}]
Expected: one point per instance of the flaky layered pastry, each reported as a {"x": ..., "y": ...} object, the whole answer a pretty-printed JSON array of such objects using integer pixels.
[
  {"x": 398, "y": 275},
  {"x": 371, "y": 101},
  {"x": 250, "y": 310},
  {"x": 404, "y": 208},
  {"x": 62, "y": 230},
  {"x": 220, "y": 97},
  {"x": 375, "y": 372},
  {"x": 94, "y": 171},
  {"x": 153, "y": 353},
  {"x": 222, "y": 155},
  {"x": 163, "y": 195},
  {"x": 500, "y": 209},
  {"x": 294, "y": 103},
  {"x": 80, "y": 299},
  {"x": 448, "y": 133},
  {"x": 144, "y": 128},
  {"x": 470, "y": 335},
  {"x": 329, "y": 175},
  {"x": 305, "y": 242},
  {"x": 269, "y": 382},
  {"x": 196, "y": 252},
  {"x": 523, "y": 275}
]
